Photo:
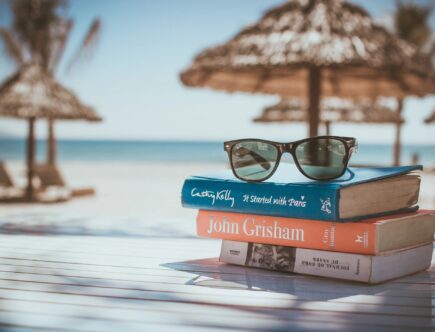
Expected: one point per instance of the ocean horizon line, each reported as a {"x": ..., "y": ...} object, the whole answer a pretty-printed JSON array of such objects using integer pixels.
[
  {"x": 193, "y": 141},
  {"x": 187, "y": 151}
]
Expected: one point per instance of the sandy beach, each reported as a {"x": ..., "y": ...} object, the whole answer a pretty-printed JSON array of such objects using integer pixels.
[{"x": 133, "y": 198}]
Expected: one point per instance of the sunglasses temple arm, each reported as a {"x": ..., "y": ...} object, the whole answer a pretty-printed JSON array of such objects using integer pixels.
[
  {"x": 352, "y": 174},
  {"x": 352, "y": 149}
]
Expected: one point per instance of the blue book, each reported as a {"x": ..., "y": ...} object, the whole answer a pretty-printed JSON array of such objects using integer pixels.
[{"x": 359, "y": 194}]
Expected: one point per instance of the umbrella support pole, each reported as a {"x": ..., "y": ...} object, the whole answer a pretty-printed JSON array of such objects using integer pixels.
[
  {"x": 314, "y": 93},
  {"x": 30, "y": 159},
  {"x": 51, "y": 143},
  {"x": 327, "y": 128},
  {"x": 397, "y": 142}
]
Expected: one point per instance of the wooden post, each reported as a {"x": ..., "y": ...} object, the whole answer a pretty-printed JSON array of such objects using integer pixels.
[
  {"x": 327, "y": 128},
  {"x": 397, "y": 143},
  {"x": 51, "y": 144},
  {"x": 31, "y": 147},
  {"x": 314, "y": 93}
]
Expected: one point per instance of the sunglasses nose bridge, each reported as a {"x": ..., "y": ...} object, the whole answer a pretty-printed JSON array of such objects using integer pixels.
[{"x": 286, "y": 147}]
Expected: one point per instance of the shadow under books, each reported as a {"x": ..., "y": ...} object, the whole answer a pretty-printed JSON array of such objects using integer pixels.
[{"x": 211, "y": 273}]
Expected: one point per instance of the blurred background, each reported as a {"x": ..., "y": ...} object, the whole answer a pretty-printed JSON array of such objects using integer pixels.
[{"x": 116, "y": 66}]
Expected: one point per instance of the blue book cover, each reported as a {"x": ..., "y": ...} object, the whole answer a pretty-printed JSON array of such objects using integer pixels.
[{"x": 287, "y": 193}]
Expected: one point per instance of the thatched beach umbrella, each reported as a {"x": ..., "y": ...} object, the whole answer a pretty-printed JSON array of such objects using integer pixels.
[
  {"x": 331, "y": 110},
  {"x": 33, "y": 94},
  {"x": 312, "y": 48}
]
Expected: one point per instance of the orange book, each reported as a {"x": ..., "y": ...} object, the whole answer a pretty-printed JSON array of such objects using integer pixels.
[{"x": 371, "y": 236}]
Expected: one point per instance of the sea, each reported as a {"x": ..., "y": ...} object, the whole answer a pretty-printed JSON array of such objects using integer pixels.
[{"x": 187, "y": 151}]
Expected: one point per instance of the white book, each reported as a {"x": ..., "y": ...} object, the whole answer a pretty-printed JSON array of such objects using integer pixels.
[{"x": 363, "y": 268}]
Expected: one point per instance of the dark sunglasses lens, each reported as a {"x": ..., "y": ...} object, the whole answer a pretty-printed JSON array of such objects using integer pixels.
[
  {"x": 322, "y": 158},
  {"x": 253, "y": 160}
]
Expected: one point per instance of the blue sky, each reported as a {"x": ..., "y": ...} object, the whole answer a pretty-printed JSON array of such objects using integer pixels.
[{"x": 132, "y": 77}]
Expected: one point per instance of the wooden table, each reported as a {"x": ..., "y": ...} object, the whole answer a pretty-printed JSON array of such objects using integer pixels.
[{"x": 94, "y": 283}]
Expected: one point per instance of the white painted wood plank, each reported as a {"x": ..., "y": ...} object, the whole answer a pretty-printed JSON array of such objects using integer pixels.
[
  {"x": 311, "y": 284},
  {"x": 166, "y": 271},
  {"x": 88, "y": 258},
  {"x": 85, "y": 324},
  {"x": 223, "y": 269},
  {"x": 292, "y": 283},
  {"x": 169, "y": 253},
  {"x": 150, "y": 255},
  {"x": 119, "y": 247},
  {"x": 142, "y": 280},
  {"x": 71, "y": 303},
  {"x": 202, "y": 265},
  {"x": 244, "y": 320},
  {"x": 147, "y": 282},
  {"x": 221, "y": 298},
  {"x": 293, "y": 286},
  {"x": 109, "y": 244},
  {"x": 92, "y": 325}
]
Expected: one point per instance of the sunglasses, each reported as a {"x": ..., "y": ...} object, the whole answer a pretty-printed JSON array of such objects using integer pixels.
[{"x": 318, "y": 158}]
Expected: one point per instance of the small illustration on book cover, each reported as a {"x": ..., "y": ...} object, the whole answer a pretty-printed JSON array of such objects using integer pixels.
[
  {"x": 326, "y": 205},
  {"x": 271, "y": 257}
]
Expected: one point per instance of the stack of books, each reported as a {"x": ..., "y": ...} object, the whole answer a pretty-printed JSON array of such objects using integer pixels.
[{"x": 364, "y": 226}]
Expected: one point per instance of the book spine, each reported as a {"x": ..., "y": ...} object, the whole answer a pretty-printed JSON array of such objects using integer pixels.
[
  {"x": 265, "y": 198},
  {"x": 344, "y": 237},
  {"x": 303, "y": 261}
]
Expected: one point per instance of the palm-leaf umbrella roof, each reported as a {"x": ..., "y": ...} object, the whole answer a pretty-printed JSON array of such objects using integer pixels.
[
  {"x": 358, "y": 58},
  {"x": 332, "y": 110},
  {"x": 34, "y": 93},
  {"x": 430, "y": 118}
]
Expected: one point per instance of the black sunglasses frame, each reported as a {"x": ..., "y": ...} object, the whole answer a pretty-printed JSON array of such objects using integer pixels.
[{"x": 350, "y": 144}]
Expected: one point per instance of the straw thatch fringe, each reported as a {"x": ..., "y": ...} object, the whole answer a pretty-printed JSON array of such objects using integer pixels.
[
  {"x": 34, "y": 93},
  {"x": 332, "y": 110},
  {"x": 300, "y": 34}
]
